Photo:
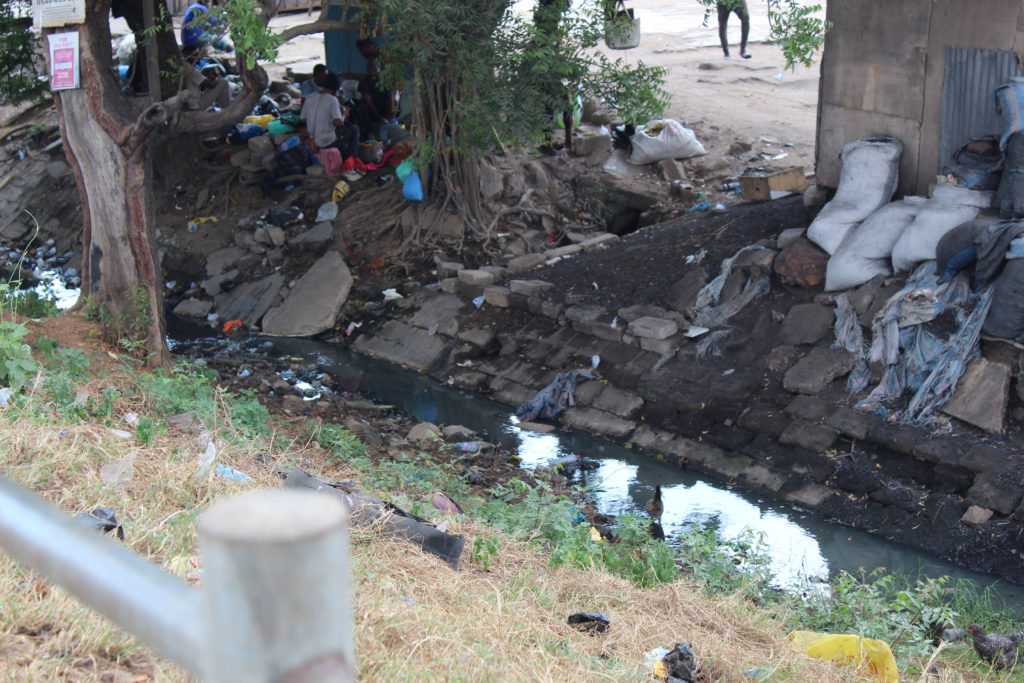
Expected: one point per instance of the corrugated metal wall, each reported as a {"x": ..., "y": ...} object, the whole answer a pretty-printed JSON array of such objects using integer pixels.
[{"x": 968, "y": 104}]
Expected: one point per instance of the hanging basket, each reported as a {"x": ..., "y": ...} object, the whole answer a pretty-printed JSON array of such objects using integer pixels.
[{"x": 621, "y": 28}]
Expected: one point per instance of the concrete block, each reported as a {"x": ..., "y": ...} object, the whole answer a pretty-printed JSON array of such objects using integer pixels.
[
  {"x": 529, "y": 287},
  {"x": 601, "y": 240},
  {"x": 653, "y": 328},
  {"x": 599, "y": 422},
  {"x": 585, "y": 145},
  {"x": 789, "y": 235},
  {"x": 521, "y": 264},
  {"x": 661, "y": 346},
  {"x": 975, "y": 516},
  {"x": 497, "y": 296},
  {"x": 480, "y": 278},
  {"x": 621, "y": 403},
  {"x": 567, "y": 250},
  {"x": 450, "y": 285}
]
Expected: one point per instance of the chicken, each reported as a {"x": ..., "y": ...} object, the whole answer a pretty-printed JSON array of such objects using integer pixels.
[
  {"x": 655, "y": 507},
  {"x": 996, "y": 648}
]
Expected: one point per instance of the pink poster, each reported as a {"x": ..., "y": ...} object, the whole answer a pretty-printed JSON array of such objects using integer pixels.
[{"x": 63, "y": 61}]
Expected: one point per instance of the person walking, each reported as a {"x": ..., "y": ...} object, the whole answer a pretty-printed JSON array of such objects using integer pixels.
[{"x": 739, "y": 7}]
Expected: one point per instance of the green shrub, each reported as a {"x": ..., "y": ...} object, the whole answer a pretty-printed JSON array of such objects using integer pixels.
[{"x": 343, "y": 444}]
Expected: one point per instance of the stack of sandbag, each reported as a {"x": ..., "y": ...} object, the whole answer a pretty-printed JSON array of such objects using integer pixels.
[
  {"x": 948, "y": 207},
  {"x": 867, "y": 248},
  {"x": 1010, "y": 104},
  {"x": 868, "y": 181}
]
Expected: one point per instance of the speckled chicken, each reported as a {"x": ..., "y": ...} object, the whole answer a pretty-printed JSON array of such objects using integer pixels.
[{"x": 996, "y": 648}]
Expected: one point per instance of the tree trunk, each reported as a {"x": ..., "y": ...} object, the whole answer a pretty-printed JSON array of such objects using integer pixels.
[{"x": 110, "y": 164}]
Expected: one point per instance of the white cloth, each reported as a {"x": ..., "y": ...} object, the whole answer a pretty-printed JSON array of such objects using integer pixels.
[{"x": 320, "y": 111}]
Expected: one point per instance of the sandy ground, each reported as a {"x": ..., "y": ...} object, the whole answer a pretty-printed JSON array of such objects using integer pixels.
[{"x": 723, "y": 99}]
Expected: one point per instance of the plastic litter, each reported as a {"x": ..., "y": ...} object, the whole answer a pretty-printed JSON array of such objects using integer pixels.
[
  {"x": 590, "y": 622},
  {"x": 701, "y": 206},
  {"x": 206, "y": 458},
  {"x": 664, "y": 139},
  {"x": 121, "y": 433},
  {"x": 104, "y": 519},
  {"x": 231, "y": 474},
  {"x": 120, "y": 472},
  {"x": 850, "y": 650},
  {"x": 328, "y": 211},
  {"x": 680, "y": 663},
  {"x": 595, "y": 360},
  {"x": 467, "y": 446},
  {"x": 478, "y": 301},
  {"x": 391, "y": 294},
  {"x": 5, "y": 396}
]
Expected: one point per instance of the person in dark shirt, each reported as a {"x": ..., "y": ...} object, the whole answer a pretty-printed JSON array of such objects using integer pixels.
[
  {"x": 374, "y": 105},
  {"x": 739, "y": 7}
]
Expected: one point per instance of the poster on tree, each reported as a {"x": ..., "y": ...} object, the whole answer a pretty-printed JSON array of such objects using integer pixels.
[
  {"x": 47, "y": 13},
  {"x": 63, "y": 60}
]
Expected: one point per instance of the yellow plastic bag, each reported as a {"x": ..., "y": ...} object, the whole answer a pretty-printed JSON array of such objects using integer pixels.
[
  {"x": 849, "y": 649},
  {"x": 262, "y": 121}
]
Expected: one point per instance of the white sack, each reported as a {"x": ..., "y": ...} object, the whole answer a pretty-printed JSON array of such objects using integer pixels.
[
  {"x": 865, "y": 251},
  {"x": 870, "y": 174},
  {"x": 948, "y": 207},
  {"x": 671, "y": 142}
]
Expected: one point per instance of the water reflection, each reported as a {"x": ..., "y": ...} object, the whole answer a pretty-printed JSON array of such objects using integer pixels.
[{"x": 801, "y": 546}]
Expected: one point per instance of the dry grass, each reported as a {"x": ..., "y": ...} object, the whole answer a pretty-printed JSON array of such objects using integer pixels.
[{"x": 416, "y": 618}]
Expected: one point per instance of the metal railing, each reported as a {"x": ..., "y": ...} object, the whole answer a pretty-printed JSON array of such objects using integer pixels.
[{"x": 274, "y": 604}]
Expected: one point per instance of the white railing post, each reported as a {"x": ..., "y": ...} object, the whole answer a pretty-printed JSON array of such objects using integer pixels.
[{"x": 276, "y": 589}]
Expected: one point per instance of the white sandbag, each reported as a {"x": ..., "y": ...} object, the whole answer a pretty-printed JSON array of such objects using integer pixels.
[
  {"x": 667, "y": 140},
  {"x": 948, "y": 207},
  {"x": 870, "y": 174},
  {"x": 865, "y": 251}
]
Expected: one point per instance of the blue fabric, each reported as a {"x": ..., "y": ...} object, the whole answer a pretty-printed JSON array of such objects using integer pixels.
[
  {"x": 1010, "y": 103},
  {"x": 412, "y": 188},
  {"x": 962, "y": 259},
  {"x": 309, "y": 87},
  {"x": 196, "y": 33},
  {"x": 555, "y": 397}
]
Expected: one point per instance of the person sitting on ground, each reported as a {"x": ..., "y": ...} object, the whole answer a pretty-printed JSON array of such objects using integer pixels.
[
  {"x": 326, "y": 121},
  {"x": 199, "y": 28},
  {"x": 374, "y": 104},
  {"x": 203, "y": 85},
  {"x": 726, "y": 8},
  {"x": 314, "y": 84}
]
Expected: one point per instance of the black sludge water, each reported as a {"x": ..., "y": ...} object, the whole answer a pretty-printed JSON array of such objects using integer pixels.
[{"x": 803, "y": 549}]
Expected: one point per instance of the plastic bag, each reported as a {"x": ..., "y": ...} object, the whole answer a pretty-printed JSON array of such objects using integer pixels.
[
  {"x": 664, "y": 139},
  {"x": 412, "y": 188},
  {"x": 849, "y": 649}
]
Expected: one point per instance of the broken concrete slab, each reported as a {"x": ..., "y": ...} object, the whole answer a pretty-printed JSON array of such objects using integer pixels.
[
  {"x": 249, "y": 301},
  {"x": 218, "y": 283},
  {"x": 807, "y": 324},
  {"x": 481, "y": 337},
  {"x": 682, "y": 296},
  {"x": 584, "y": 314},
  {"x": 982, "y": 395},
  {"x": 404, "y": 345},
  {"x": 314, "y": 303},
  {"x": 223, "y": 259},
  {"x": 598, "y": 421},
  {"x": 599, "y": 241},
  {"x": 817, "y": 370},
  {"x": 193, "y": 308},
  {"x": 816, "y": 438},
  {"x": 440, "y": 313},
  {"x": 318, "y": 236},
  {"x": 618, "y": 402}
]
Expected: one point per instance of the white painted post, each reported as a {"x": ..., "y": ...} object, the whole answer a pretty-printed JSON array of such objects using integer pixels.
[{"x": 276, "y": 589}]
